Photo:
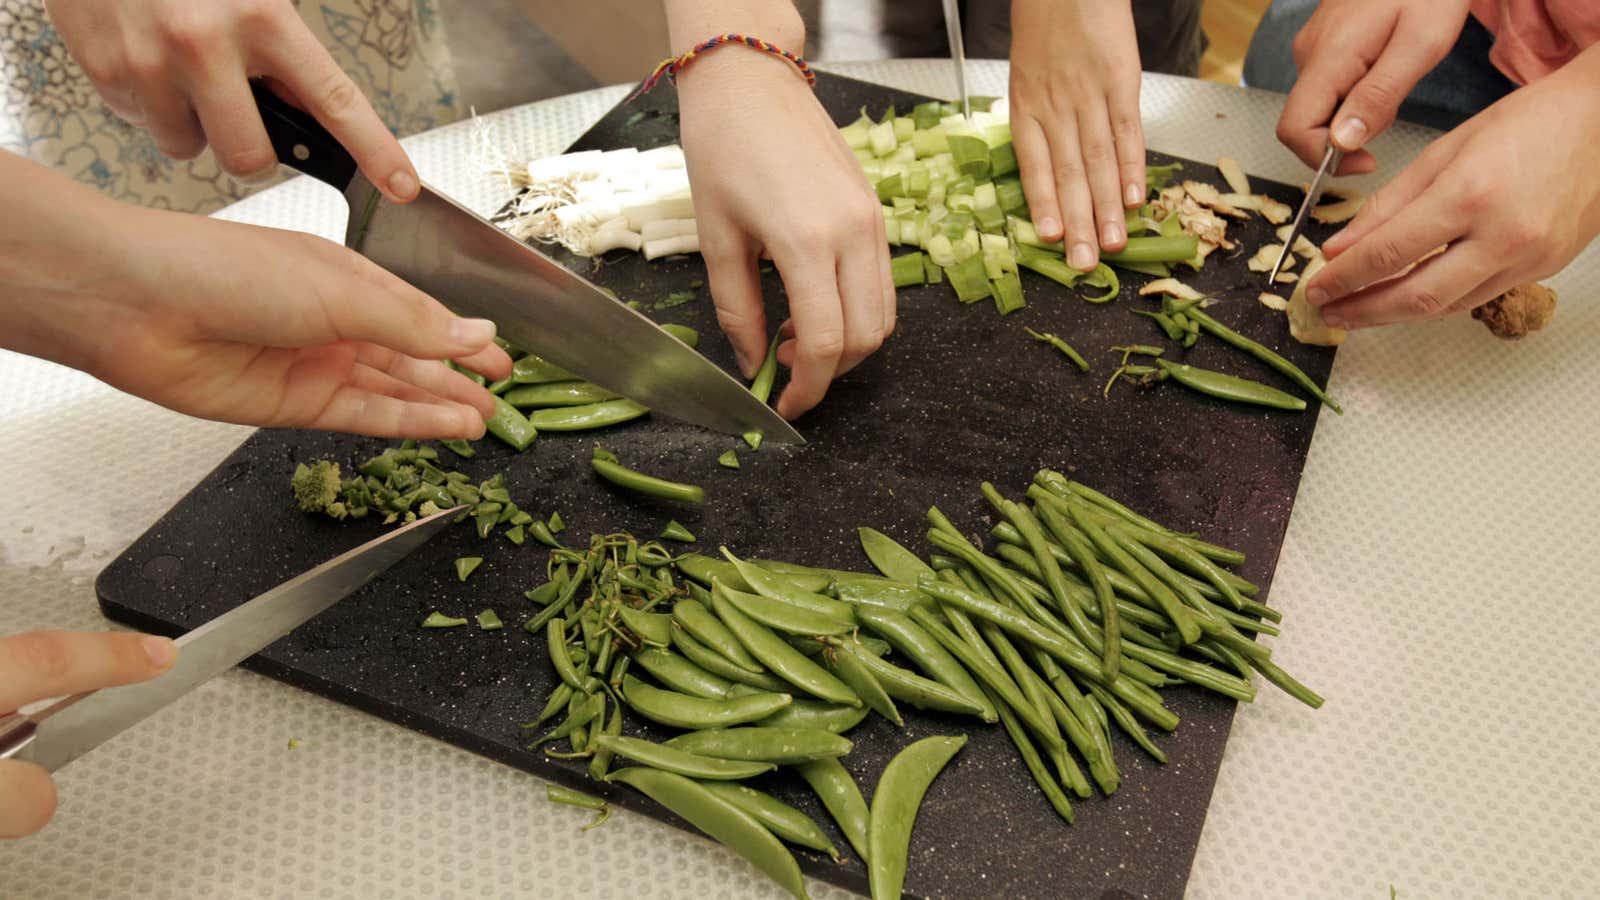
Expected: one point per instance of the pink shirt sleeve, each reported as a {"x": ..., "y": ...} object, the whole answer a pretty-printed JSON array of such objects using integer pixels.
[{"x": 1535, "y": 37}]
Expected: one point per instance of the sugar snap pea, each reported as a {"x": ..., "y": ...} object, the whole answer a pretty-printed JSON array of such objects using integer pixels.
[
  {"x": 581, "y": 710},
  {"x": 913, "y": 640},
  {"x": 708, "y": 629},
  {"x": 511, "y": 426},
  {"x": 721, "y": 820},
  {"x": 582, "y": 801},
  {"x": 780, "y": 818},
  {"x": 783, "y": 746},
  {"x": 1229, "y": 387},
  {"x": 560, "y": 393},
  {"x": 680, "y": 674},
  {"x": 531, "y": 369},
  {"x": 600, "y": 763},
  {"x": 655, "y": 628},
  {"x": 556, "y": 702},
  {"x": 891, "y": 557},
  {"x": 808, "y": 714},
  {"x": 719, "y": 665},
  {"x": 777, "y": 656},
  {"x": 705, "y": 570},
  {"x": 780, "y": 588},
  {"x": 842, "y": 659},
  {"x": 556, "y": 640},
  {"x": 588, "y": 416},
  {"x": 895, "y": 803},
  {"x": 782, "y": 616},
  {"x": 1263, "y": 353},
  {"x": 686, "y": 711},
  {"x": 842, "y": 798},
  {"x": 1061, "y": 346},
  {"x": 675, "y": 759}
]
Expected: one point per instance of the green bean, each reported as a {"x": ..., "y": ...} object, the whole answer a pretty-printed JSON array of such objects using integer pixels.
[
  {"x": 674, "y": 759},
  {"x": 1078, "y": 547},
  {"x": 1035, "y": 691},
  {"x": 1061, "y": 486},
  {"x": 1020, "y": 517},
  {"x": 1228, "y": 387},
  {"x": 780, "y": 818},
  {"x": 719, "y": 819},
  {"x": 781, "y": 659},
  {"x": 894, "y": 810},
  {"x": 1261, "y": 352},
  {"x": 986, "y": 670},
  {"x": 1287, "y": 682},
  {"x": 681, "y": 675},
  {"x": 1182, "y": 617},
  {"x": 842, "y": 798},
  {"x": 583, "y": 801},
  {"x": 1035, "y": 765},
  {"x": 858, "y": 674},
  {"x": 1193, "y": 560},
  {"x": 561, "y": 393},
  {"x": 693, "y": 616},
  {"x": 600, "y": 763},
  {"x": 934, "y": 660},
  {"x": 511, "y": 426},
  {"x": 781, "y": 746},
  {"x": 997, "y": 573},
  {"x": 1208, "y": 616},
  {"x": 921, "y": 692},
  {"x": 808, "y": 714},
  {"x": 606, "y": 466},
  {"x": 655, "y": 628},
  {"x": 782, "y": 616},
  {"x": 1074, "y": 656},
  {"x": 890, "y": 557},
  {"x": 556, "y": 638},
  {"x": 776, "y": 587},
  {"x": 686, "y": 711},
  {"x": 722, "y": 667},
  {"x": 1128, "y": 723},
  {"x": 1089, "y": 734},
  {"x": 583, "y": 418}
]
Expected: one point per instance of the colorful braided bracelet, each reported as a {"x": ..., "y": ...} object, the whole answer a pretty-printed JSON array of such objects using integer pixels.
[{"x": 670, "y": 67}]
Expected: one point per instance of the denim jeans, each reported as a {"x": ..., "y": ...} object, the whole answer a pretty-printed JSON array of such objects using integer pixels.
[{"x": 1459, "y": 87}]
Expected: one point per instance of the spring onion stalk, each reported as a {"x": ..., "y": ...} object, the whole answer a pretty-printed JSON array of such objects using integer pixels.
[{"x": 1161, "y": 249}]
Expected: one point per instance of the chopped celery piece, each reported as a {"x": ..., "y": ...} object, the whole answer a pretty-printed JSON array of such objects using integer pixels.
[
  {"x": 466, "y": 565},
  {"x": 932, "y": 272},
  {"x": 904, "y": 126},
  {"x": 926, "y": 115},
  {"x": 489, "y": 621},
  {"x": 969, "y": 279},
  {"x": 929, "y": 142},
  {"x": 972, "y": 155},
  {"x": 440, "y": 620},
  {"x": 880, "y": 138},
  {"x": 967, "y": 245},
  {"x": 907, "y": 270},
  {"x": 1002, "y": 160},
  {"x": 1008, "y": 293},
  {"x": 890, "y": 187}
]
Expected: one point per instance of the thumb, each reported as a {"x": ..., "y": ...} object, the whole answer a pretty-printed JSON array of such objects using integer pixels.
[
  {"x": 42, "y": 664},
  {"x": 1372, "y": 103}
]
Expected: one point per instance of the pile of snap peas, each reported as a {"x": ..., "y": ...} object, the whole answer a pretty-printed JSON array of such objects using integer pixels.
[{"x": 1062, "y": 630}]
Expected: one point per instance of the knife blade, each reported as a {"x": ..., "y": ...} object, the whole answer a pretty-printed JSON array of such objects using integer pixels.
[
  {"x": 446, "y": 250},
  {"x": 72, "y": 726},
  {"x": 1330, "y": 162},
  {"x": 958, "y": 52}
]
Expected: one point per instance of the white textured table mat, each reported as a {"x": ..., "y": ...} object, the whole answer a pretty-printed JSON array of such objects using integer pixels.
[{"x": 1439, "y": 577}]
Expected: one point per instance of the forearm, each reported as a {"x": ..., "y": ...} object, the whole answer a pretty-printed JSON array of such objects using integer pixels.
[{"x": 56, "y": 238}]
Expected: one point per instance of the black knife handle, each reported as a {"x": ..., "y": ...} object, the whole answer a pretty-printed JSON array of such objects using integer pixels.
[{"x": 300, "y": 140}]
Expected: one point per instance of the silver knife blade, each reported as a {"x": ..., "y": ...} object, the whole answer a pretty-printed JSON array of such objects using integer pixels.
[
  {"x": 958, "y": 53},
  {"x": 451, "y": 253},
  {"x": 72, "y": 726},
  {"x": 1330, "y": 162}
]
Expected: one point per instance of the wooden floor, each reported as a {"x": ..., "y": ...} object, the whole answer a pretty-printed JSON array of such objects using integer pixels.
[{"x": 1229, "y": 24}]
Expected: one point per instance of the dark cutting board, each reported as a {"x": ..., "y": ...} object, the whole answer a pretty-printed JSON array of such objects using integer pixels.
[{"x": 959, "y": 395}]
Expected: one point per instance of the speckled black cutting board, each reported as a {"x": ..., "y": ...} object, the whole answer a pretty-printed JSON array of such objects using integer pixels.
[{"x": 959, "y": 395}]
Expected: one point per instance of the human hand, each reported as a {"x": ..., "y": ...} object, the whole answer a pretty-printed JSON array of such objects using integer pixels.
[
  {"x": 772, "y": 177},
  {"x": 181, "y": 70},
  {"x": 44, "y": 664},
  {"x": 1358, "y": 60},
  {"x": 232, "y": 322},
  {"x": 1511, "y": 196},
  {"x": 1075, "y": 121}
]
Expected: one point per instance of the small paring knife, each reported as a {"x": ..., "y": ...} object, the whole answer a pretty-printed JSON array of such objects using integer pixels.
[
  {"x": 72, "y": 726},
  {"x": 465, "y": 262},
  {"x": 958, "y": 52},
  {"x": 1330, "y": 163}
]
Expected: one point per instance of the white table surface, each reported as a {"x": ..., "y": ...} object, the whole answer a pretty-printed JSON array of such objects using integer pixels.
[{"x": 1439, "y": 576}]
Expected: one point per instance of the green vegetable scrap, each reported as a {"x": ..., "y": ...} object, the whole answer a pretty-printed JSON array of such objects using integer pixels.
[
  {"x": 729, "y": 460},
  {"x": 488, "y": 620},
  {"x": 676, "y": 532},
  {"x": 317, "y": 486},
  {"x": 466, "y": 565},
  {"x": 1062, "y": 346},
  {"x": 440, "y": 620}
]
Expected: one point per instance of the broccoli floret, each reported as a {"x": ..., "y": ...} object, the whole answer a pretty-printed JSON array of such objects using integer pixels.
[{"x": 316, "y": 487}]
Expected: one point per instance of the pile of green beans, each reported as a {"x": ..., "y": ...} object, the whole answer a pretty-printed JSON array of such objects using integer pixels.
[{"x": 1062, "y": 632}]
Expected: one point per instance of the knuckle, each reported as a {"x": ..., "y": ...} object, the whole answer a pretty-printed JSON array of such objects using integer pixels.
[
  {"x": 1424, "y": 303},
  {"x": 47, "y": 654},
  {"x": 191, "y": 32},
  {"x": 1097, "y": 153},
  {"x": 826, "y": 343},
  {"x": 1385, "y": 255},
  {"x": 1525, "y": 232},
  {"x": 1377, "y": 95},
  {"x": 247, "y": 161},
  {"x": 338, "y": 95},
  {"x": 1069, "y": 172},
  {"x": 142, "y": 65}
]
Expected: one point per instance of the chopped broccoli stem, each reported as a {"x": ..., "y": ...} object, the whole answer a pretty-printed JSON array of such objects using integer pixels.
[{"x": 317, "y": 486}]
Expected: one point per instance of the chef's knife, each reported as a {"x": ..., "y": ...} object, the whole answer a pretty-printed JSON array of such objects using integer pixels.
[
  {"x": 958, "y": 52},
  {"x": 445, "y": 250},
  {"x": 72, "y": 726},
  {"x": 1330, "y": 162}
]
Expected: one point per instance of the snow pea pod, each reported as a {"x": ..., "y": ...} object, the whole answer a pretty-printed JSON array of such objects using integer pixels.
[
  {"x": 909, "y": 687},
  {"x": 776, "y": 587},
  {"x": 782, "y": 746},
  {"x": 911, "y": 639},
  {"x": 721, "y": 820},
  {"x": 780, "y": 818},
  {"x": 1263, "y": 353},
  {"x": 686, "y": 711},
  {"x": 511, "y": 426},
  {"x": 891, "y": 557},
  {"x": 583, "y": 418},
  {"x": 781, "y": 659},
  {"x": 834, "y": 717},
  {"x": 894, "y": 810},
  {"x": 719, "y": 665},
  {"x": 859, "y": 676},
  {"x": 784, "y": 617},
  {"x": 1229, "y": 387},
  {"x": 681, "y": 675},
  {"x": 674, "y": 759},
  {"x": 693, "y": 617},
  {"x": 560, "y": 393},
  {"x": 841, "y": 796}
]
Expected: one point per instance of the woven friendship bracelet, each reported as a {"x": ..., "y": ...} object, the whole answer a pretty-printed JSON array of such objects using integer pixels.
[{"x": 670, "y": 68}]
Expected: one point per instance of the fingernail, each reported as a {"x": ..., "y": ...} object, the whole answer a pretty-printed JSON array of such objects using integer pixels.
[
  {"x": 1333, "y": 320},
  {"x": 161, "y": 651},
  {"x": 1049, "y": 227},
  {"x": 1111, "y": 234},
  {"x": 1349, "y": 133},
  {"x": 1083, "y": 256},
  {"x": 1133, "y": 194},
  {"x": 471, "y": 333},
  {"x": 403, "y": 184},
  {"x": 1316, "y": 296}
]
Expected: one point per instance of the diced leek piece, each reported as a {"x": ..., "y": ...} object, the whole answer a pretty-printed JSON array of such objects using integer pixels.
[
  {"x": 1049, "y": 265},
  {"x": 959, "y": 201},
  {"x": 874, "y": 169},
  {"x": 855, "y": 134},
  {"x": 983, "y": 195},
  {"x": 956, "y": 225},
  {"x": 993, "y": 267},
  {"x": 942, "y": 251},
  {"x": 862, "y": 154},
  {"x": 891, "y": 230},
  {"x": 1008, "y": 293},
  {"x": 997, "y": 133},
  {"x": 932, "y": 272},
  {"x": 972, "y": 156},
  {"x": 981, "y": 102},
  {"x": 1008, "y": 194},
  {"x": 904, "y": 153},
  {"x": 1157, "y": 270},
  {"x": 969, "y": 279},
  {"x": 1023, "y": 232},
  {"x": 903, "y": 128},
  {"x": 881, "y": 138},
  {"x": 918, "y": 181},
  {"x": 902, "y": 204},
  {"x": 929, "y": 142},
  {"x": 907, "y": 270},
  {"x": 991, "y": 220},
  {"x": 1002, "y": 160},
  {"x": 926, "y": 115},
  {"x": 889, "y": 187}
]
